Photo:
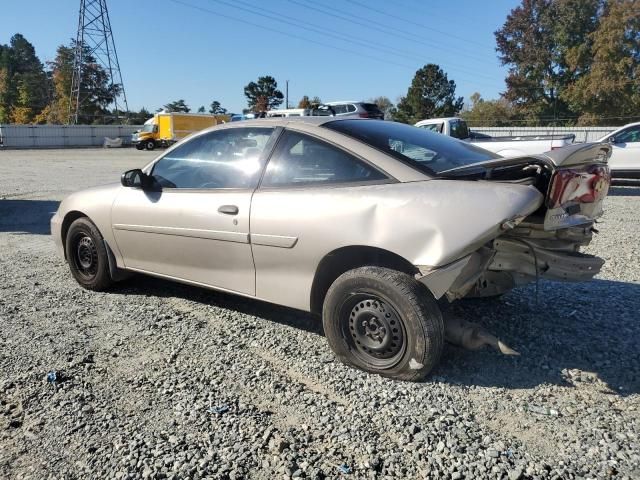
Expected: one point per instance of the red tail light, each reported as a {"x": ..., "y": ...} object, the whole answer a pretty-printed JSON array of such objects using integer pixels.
[
  {"x": 579, "y": 186},
  {"x": 364, "y": 115}
]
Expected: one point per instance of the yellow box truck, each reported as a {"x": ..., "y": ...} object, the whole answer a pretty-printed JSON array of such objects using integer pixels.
[{"x": 165, "y": 129}]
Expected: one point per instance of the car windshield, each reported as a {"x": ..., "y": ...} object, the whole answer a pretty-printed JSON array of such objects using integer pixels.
[
  {"x": 148, "y": 127},
  {"x": 426, "y": 151}
]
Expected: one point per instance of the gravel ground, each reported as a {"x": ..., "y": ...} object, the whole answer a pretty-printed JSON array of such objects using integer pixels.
[{"x": 160, "y": 380}]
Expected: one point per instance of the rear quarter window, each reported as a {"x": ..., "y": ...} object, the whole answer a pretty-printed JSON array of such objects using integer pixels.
[{"x": 426, "y": 151}]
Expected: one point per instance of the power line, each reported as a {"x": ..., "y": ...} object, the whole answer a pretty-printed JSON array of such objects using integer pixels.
[
  {"x": 292, "y": 35},
  {"x": 382, "y": 28},
  {"x": 411, "y": 22},
  {"x": 278, "y": 17},
  {"x": 299, "y": 37},
  {"x": 309, "y": 40}
]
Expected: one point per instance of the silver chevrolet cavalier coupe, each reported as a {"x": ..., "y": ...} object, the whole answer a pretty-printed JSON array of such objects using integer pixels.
[{"x": 364, "y": 222}]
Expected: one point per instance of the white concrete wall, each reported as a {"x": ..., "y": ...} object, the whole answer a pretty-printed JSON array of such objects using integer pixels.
[{"x": 60, "y": 136}]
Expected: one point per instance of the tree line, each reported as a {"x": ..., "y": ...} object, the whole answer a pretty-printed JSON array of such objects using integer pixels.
[
  {"x": 570, "y": 62},
  {"x": 32, "y": 92}
]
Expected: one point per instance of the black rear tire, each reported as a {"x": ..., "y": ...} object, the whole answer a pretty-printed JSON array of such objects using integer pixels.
[
  {"x": 87, "y": 255},
  {"x": 385, "y": 322},
  {"x": 149, "y": 145}
]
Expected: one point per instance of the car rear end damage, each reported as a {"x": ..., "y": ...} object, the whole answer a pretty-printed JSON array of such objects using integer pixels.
[{"x": 542, "y": 245}]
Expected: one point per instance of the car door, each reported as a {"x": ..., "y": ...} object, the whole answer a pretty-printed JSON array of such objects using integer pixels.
[
  {"x": 625, "y": 155},
  {"x": 193, "y": 224},
  {"x": 311, "y": 192}
]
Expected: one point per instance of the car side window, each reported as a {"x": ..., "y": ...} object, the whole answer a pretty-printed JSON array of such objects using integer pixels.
[
  {"x": 433, "y": 127},
  {"x": 629, "y": 135},
  {"x": 351, "y": 108},
  {"x": 459, "y": 129},
  {"x": 339, "y": 109},
  {"x": 300, "y": 159},
  {"x": 228, "y": 158}
]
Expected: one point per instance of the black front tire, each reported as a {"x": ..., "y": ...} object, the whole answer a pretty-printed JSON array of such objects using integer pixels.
[
  {"x": 150, "y": 145},
  {"x": 139, "y": 146},
  {"x": 87, "y": 255},
  {"x": 385, "y": 322}
]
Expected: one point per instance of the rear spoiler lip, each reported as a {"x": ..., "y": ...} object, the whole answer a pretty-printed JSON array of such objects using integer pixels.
[{"x": 580, "y": 154}]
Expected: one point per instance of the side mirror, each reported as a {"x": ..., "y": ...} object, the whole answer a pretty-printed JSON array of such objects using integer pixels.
[
  {"x": 135, "y": 178},
  {"x": 612, "y": 140},
  {"x": 155, "y": 129}
]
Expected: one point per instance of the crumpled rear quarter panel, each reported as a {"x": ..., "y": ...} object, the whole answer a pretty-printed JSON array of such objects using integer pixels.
[{"x": 429, "y": 223}]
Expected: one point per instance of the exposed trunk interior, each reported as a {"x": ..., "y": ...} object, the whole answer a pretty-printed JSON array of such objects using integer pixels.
[{"x": 547, "y": 243}]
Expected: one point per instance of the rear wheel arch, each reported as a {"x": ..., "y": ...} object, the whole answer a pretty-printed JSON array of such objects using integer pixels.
[{"x": 343, "y": 259}]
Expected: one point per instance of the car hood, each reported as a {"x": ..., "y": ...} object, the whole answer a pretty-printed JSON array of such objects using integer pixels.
[{"x": 90, "y": 198}]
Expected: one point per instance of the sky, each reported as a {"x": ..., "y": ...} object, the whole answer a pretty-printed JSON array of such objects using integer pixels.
[{"x": 205, "y": 50}]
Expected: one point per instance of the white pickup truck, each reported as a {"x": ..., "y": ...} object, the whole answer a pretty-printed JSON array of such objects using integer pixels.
[{"x": 515, "y": 146}]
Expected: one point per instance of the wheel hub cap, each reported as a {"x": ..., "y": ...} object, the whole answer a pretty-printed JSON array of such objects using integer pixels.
[
  {"x": 375, "y": 328},
  {"x": 86, "y": 255}
]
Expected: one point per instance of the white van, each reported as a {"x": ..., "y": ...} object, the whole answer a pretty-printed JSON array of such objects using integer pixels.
[{"x": 290, "y": 112}]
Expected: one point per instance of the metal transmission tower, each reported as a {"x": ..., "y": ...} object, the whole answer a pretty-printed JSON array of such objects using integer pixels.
[{"x": 95, "y": 39}]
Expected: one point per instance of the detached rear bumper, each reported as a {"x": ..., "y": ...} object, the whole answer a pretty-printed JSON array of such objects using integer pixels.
[
  {"x": 56, "y": 234},
  {"x": 531, "y": 261},
  {"x": 509, "y": 262}
]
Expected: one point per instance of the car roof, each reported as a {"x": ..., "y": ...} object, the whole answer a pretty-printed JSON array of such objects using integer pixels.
[
  {"x": 343, "y": 101},
  {"x": 273, "y": 122}
]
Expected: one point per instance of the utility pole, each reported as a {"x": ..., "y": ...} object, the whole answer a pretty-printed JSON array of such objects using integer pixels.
[
  {"x": 286, "y": 93},
  {"x": 94, "y": 41}
]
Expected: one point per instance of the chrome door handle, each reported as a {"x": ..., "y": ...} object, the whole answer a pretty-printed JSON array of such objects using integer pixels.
[{"x": 228, "y": 209}]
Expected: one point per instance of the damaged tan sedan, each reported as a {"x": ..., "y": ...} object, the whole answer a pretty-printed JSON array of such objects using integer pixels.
[{"x": 365, "y": 222}]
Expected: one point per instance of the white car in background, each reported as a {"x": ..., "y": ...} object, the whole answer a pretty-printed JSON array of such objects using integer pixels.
[{"x": 625, "y": 152}]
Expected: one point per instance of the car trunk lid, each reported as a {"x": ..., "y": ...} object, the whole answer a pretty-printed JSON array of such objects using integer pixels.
[{"x": 574, "y": 179}]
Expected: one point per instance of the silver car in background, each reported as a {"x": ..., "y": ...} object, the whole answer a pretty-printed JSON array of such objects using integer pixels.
[{"x": 364, "y": 222}]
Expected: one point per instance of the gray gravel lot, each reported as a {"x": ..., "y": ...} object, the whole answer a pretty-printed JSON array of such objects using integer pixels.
[{"x": 160, "y": 380}]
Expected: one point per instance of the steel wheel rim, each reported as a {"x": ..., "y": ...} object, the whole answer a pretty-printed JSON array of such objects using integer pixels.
[
  {"x": 374, "y": 330},
  {"x": 85, "y": 256}
]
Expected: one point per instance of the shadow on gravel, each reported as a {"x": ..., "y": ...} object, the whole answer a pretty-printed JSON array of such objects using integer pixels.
[
  {"x": 144, "y": 285},
  {"x": 592, "y": 327},
  {"x": 27, "y": 216}
]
